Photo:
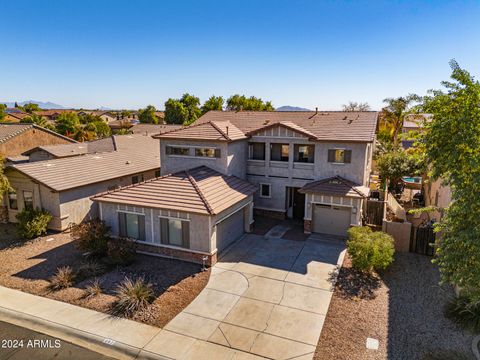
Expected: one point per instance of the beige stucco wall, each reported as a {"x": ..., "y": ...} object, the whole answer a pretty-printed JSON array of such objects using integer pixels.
[
  {"x": 28, "y": 140},
  {"x": 401, "y": 233},
  {"x": 442, "y": 200}
]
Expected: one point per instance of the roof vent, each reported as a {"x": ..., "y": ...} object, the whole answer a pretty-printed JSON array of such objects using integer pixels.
[{"x": 334, "y": 181}]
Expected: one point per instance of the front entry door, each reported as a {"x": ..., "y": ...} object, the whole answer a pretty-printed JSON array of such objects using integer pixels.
[{"x": 298, "y": 204}]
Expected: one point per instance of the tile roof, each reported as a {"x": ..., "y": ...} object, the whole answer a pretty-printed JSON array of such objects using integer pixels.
[
  {"x": 336, "y": 186},
  {"x": 210, "y": 130},
  {"x": 324, "y": 125},
  {"x": 88, "y": 147},
  {"x": 10, "y": 130},
  {"x": 200, "y": 190},
  {"x": 153, "y": 128},
  {"x": 134, "y": 154}
]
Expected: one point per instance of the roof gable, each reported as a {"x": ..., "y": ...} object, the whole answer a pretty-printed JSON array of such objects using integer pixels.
[
  {"x": 284, "y": 129},
  {"x": 336, "y": 186},
  {"x": 211, "y": 130}
]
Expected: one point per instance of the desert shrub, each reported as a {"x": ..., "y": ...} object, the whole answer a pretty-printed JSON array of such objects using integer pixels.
[
  {"x": 94, "y": 289},
  {"x": 370, "y": 250},
  {"x": 121, "y": 251},
  {"x": 465, "y": 313},
  {"x": 91, "y": 236},
  {"x": 89, "y": 268},
  {"x": 132, "y": 296},
  {"x": 32, "y": 223},
  {"x": 62, "y": 279}
]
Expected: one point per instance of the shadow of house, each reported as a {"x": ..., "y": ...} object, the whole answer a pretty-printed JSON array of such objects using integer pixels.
[{"x": 417, "y": 328}]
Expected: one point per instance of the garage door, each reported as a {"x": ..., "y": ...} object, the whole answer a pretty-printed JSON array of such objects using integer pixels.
[
  {"x": 331, "y": 219},
  {"x": 230, "y": 230}
]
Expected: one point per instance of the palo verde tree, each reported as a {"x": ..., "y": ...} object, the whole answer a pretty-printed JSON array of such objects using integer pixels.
[
  {"x": 356, "y": 106},
  {"x": 452, "y": 143}
]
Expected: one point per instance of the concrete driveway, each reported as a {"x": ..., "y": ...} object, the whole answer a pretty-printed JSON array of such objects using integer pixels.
[{"x": 266, "y": 297}]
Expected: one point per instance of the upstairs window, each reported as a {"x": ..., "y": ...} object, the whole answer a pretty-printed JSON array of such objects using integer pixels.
[
  {"x": 304, "y": 153},
  {"x": 207, "y": 152},
  {"x": 340, "y": 156},
  {"x": 28, "y": 200},
  {"x": 180, "y": 151},
  {"x": 256, "y": 151},
  {"x": 279, "y": 152}
]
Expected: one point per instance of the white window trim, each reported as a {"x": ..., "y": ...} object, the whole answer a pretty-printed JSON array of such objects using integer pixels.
[
  {"x": 172, "y": 218},
  {"x": 131, "y": 212},
  {"x": 269, "y": 191}
]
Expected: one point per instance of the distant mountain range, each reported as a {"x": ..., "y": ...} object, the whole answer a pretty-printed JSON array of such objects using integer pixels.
[
  {"x": 44, "y": 105},
  {"x": 291, "y": 108}
]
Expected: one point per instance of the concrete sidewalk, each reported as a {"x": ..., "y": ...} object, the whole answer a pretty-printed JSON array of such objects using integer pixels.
[{"x": 108, "y": 335}]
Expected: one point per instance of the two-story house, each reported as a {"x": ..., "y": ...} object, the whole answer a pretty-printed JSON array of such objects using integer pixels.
[{"x": 312, "y": 166}]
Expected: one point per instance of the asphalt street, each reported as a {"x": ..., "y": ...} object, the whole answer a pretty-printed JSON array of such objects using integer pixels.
[{"x": 17, "y": 343}]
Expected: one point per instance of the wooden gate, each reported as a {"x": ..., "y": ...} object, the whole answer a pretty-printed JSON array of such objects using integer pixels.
[
  {"x": 374, "y": 212},
  {"x": 422, "y": 240}
]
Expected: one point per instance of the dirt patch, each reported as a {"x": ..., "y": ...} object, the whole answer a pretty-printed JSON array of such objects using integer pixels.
[
  {"x": 29, "y": 266},
  {"x": 402, "y": 308}
]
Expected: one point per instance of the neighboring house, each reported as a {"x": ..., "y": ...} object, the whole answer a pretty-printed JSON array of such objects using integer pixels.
[
  {"x": 16, "y": 138},
  {"x": 153, "y": 129},
  {"x": 52, "y": 114},
  {"x": 15, "y": 115},
  {"x": 311, "y": 166},
  {"x": 64, "y": 185},
  {"x": 49, "y": 152},
  {"x": 106, "y": 116}
]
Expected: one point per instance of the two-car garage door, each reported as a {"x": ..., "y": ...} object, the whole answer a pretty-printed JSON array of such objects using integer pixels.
[
  {"x": 230, "y": 229},
  {"x": 331, "y": 219}
]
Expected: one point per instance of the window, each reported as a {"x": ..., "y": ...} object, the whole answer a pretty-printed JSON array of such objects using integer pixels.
[
  {"x": 304, "y": 153},
  {"x": 265, "y": 190},
  {"x": 175, "y": 232},
  {"x": 157, "y": 173},
  {"x": 279, "y": 152},
  {"x": 256, "y": 151},
  {"x": 340, "y": 156},
  {"x": 131, "y": 225},
  {"x": 207, "y": 152},
  {"x": 12, "y": 201},
  {"x": 180, "y": 151},
  {"x": 28, "y": 200},
  {"x": 137, "y": 178},
  {"x": 113, "y": 187}
]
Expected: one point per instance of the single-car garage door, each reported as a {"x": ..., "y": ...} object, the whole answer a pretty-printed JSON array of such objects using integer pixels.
[
  {"x": 230, "y": 229},
  {"x": 331, "y": 219}
]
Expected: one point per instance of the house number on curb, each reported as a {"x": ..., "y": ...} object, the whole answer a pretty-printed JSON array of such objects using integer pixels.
[{"x": 109, "y": 341}]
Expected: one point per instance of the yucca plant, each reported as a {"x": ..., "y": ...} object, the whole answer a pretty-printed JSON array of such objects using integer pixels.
[
  {"x": 94, "y": 289},
  {"x": 90, "y": 268},
  {"x": 62, "y": 279},
  {"x": 132, "y": 296}
]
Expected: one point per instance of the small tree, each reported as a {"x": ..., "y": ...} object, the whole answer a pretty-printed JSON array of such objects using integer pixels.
[
  {"x": 213, "y": 103},
  {"x": 182, "y": 111},
  {"x": 31, "y": 107},
  {"x": 147, "y": 115},
  {"x": 356, "y": 106},
  {"x": 370, "y": 250},
  {"x": 91, "y": 236},
  {"x": 3, "y": 114},
  {"x": 241, "y": 102}
]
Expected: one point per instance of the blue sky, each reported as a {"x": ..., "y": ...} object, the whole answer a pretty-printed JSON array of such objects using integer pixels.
[{"x": 127, "y": 54}]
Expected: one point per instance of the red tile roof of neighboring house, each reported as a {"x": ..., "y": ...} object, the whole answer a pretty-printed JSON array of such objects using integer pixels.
[
  {"x": 200, "y": 190},
  {"x": 153, "y": 128},
  {"x": 336, "y": 186}
]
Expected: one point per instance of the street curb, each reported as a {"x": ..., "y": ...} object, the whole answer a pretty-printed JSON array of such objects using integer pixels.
[{"x": 107, "y": 347}]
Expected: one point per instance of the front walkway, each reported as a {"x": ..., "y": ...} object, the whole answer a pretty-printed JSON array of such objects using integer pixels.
[{"x": 266, "y": 297}]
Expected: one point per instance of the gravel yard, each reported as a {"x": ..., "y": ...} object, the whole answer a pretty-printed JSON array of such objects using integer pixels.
[
  {"x": 27, "y": 267},
  {"x": 403, "y": 309}
]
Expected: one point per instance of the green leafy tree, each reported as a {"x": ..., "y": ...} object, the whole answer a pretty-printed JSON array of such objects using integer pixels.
[
  {"x": 35, "y": 119},
  {"x": 241, "y": 102},
  {"x": 147, "y": 115},
  {"x": 102, "y": 130},
  {"x": 31, "y": 107},
  {"x": 394, "y": 164},
  {"x": 185, "y": 110},
  {"x": 67, "y": 123},
  {"x": 356, "y": 106},
  {"x": 3, "y": 114},
  {"x": 452, "y": 144},
  {"x": 175, "y": 112},
  {"x": 394, "y": 113},
  {"x": 213, "y": 103}
]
